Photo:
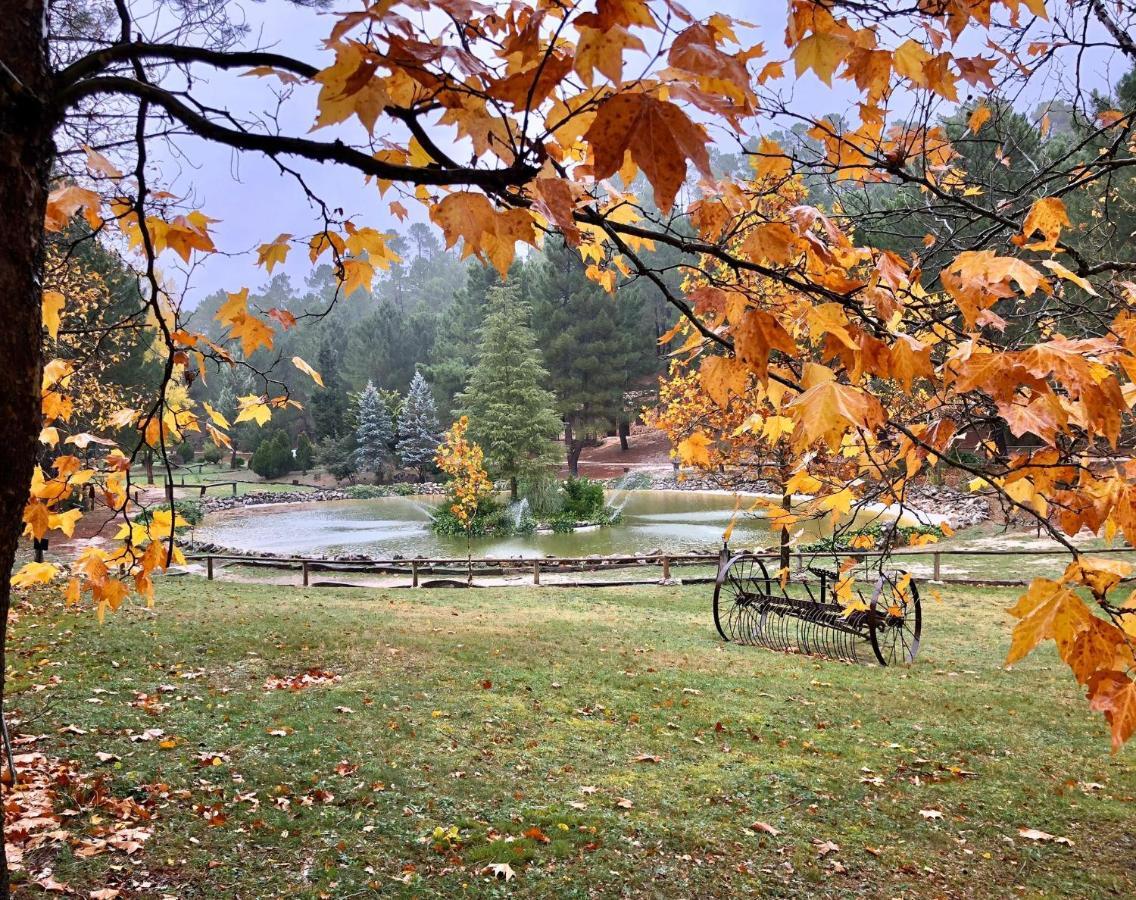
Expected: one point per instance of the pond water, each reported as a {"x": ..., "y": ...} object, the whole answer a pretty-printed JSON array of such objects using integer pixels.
[{"x": 671, "y": 521}]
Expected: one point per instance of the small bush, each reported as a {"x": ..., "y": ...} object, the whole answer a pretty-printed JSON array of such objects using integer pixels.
[
  {"x": 304, "y": 453},
  {"x": 185, "y": 452},
  {"x": 368, "y": 491},
  {"x": 542, "y": 490},
  {"x": 490, "y": 519},
  {"x": 190, "y": 510},
  {"x": 273, "y": 456},
  {"x": 337, "y": 455},
  {"x": 582, "y": 498},
  {"x": 877, "y": 531},
  {"x": 212, "y": 454}
]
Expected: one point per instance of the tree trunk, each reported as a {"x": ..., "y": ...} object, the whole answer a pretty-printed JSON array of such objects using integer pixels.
[
  {"x": 787, "y": 505},
  {"x": 513, "y": 489},
  {"x": 148, "y": 462},
  {"x": 624, "y": 432},
  {"x": 232, "y": 459},
  {"x": 574, "y": 447},
  {"x": 26, "y": 153}
]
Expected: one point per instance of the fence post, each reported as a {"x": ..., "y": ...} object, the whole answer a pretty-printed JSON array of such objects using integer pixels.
[
  {"x": 304, "y": 566},
  {"x": 414, "y": 573},
  {"x": 536, "y": 571},
  {"x": 935, "y": 565},
  {"x": 209, "y": 567},
  {"x": 234, "y": 489},
  {"x": 666, "y": 568},
  {"x": 800, "y": 561}
]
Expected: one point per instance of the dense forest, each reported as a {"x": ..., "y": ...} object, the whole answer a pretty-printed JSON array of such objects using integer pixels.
[
  {"x": 596, "y": 356},
  {"x": 598, "y": 352}
]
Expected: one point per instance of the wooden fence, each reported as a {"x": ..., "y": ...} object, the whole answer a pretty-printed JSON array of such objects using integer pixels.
[{"x": 454, "y": 571}]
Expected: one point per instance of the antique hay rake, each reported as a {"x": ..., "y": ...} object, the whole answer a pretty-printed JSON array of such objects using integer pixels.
[{"x": 750, "y": 607}]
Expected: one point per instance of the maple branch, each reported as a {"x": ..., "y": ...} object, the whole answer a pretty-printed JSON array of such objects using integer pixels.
[
  {"x": 317, "y": 151},
  {"x": 140, "y": 51}
]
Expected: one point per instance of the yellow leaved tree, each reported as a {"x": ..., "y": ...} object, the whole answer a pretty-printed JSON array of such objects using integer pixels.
[{"x": 1010, "y": 313}]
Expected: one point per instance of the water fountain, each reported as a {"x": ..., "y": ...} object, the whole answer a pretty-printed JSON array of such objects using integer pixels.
[
  {"x": 517, "y": 512},
  {"x": 621, "y": 491}
]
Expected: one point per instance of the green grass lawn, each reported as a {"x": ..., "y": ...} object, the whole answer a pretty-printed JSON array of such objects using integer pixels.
[
  {"x": 511, "y": 720},
  {"x": 247, "y": 480}
]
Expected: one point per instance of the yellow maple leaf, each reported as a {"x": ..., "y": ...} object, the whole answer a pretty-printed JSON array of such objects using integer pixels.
[
  {"x": 53, "y": 303},
  {"x": 307, "y": 370}
]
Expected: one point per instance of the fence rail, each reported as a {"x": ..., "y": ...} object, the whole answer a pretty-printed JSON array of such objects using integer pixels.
[{"x": 418, "y": 567}]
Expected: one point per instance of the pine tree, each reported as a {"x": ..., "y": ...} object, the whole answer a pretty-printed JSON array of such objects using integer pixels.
[
  {"x": 578, "y": 332},
  {"x": 512, "y": 416},
  {"x": 374, "y": 433},
  {"x": 418, "y": 426}
]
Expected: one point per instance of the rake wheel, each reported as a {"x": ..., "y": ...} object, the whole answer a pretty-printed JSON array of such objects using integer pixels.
[
  {"x": 740, "y": 593},
  {"x": 895, "y": 619}
]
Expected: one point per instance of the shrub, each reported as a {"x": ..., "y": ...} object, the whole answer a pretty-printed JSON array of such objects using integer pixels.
[
  {"x": 185, "y": 452},
  {"x": 877, "y": 531},
  {"x": 337, "y": 455},
  {"x": 368, "y": 491},
  {"x": 273, "y": 456},
  {"x": 583, "y": 499},
  {"x": 490, "y": 519},
  {"x": 212, "y": 454},
  {"x": 542, "y": 490},
  {"x": 304, "y": 453},
  {"x": 190, "y": 510}
]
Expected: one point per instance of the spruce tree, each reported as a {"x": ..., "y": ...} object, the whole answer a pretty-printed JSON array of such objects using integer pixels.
[
  {"x": 511, "y": 414},
  {"x": 419, "y": 432},
  {"x": 374, "y": 433}
]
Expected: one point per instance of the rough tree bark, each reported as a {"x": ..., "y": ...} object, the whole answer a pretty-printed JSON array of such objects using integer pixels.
[
  {"x": 574, "y": 446},
  {"x": 26, "y": 153}
]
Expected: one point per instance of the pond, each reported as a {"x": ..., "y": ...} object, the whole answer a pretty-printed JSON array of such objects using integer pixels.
[{"x": 670, "y": 521}]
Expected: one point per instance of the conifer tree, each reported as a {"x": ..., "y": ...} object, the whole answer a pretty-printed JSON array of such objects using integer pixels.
[
  {"x": 374, "y": 433},
  {"x": 512, "y": 415},
  {"x": 588, "y": 357},
  {"x": 419, "y": 431}
]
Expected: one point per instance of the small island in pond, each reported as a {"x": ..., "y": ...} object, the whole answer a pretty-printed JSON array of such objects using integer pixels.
[{"x": 547, "y": 506}]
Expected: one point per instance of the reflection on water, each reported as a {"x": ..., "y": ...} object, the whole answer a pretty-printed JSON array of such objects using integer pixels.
[{"x": 671, "y": 521}]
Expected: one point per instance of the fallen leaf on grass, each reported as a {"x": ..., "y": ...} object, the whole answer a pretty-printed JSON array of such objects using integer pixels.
[
  {"x": 587, "y": 789},
  {"x": 624, "y": 803},
  {"x": 826, "y": 847},
  {"x": 765, "y": 828},
  {"x": 500, "y": 870},
  {"x": 537, "y": 835},
  {"x": 930, "y": 814},
  {"x": 299, "y": 682},
  {"x": 280, "y": 732},
  {"x": 48, "y": 882},
  {"x": 104, "y": 894},
  {"x": 648, "y": 758},
  {"x": 1033, "y": 834}
]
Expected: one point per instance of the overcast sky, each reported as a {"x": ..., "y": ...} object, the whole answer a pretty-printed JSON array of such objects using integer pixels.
[
  {"x": 255, "y": 202},
  {"x": 251, "y": 198}
]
